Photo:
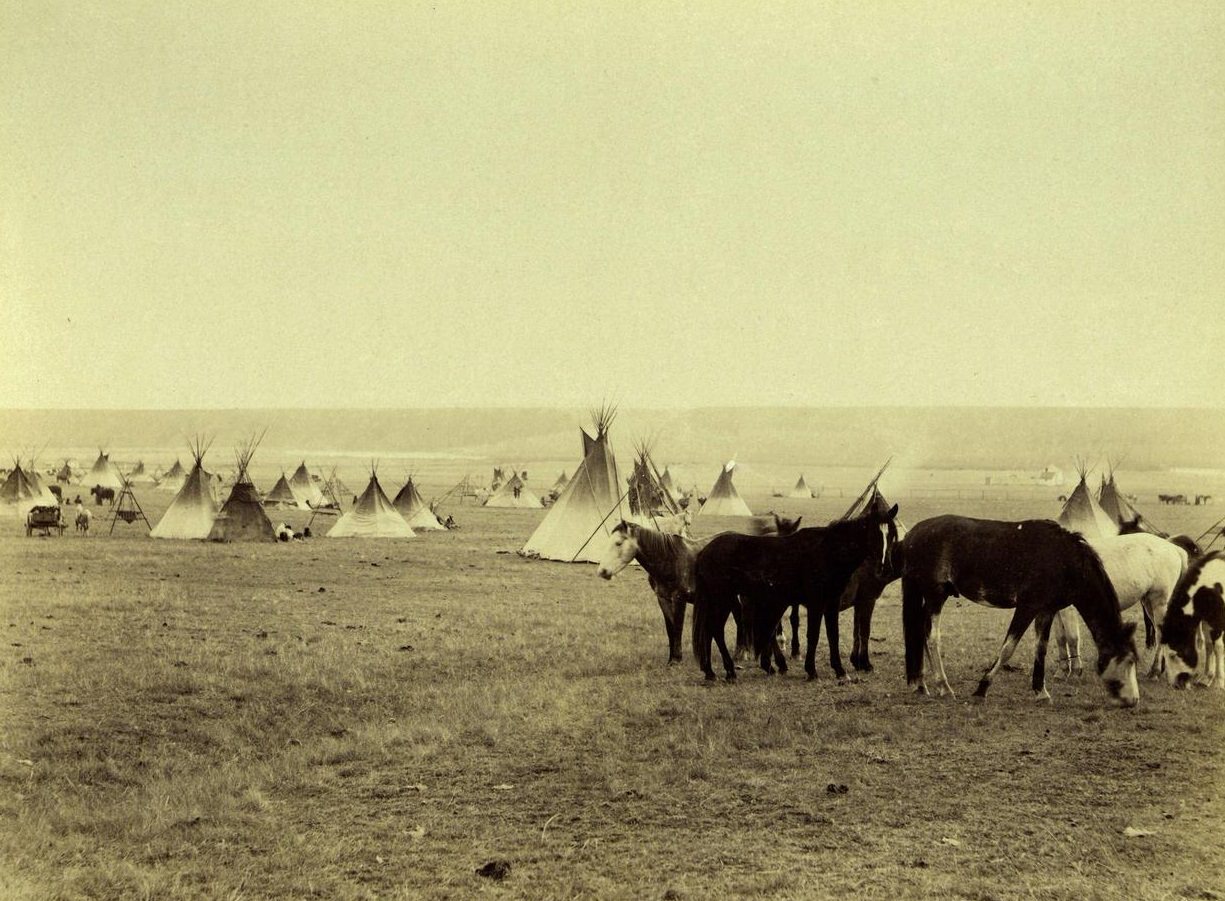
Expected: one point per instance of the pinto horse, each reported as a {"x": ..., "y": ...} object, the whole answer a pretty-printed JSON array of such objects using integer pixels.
[
  {"x": 1195, "y": 616},
  {"x": 1144, "y": 569},
  {"x": 811, "y": 566},
  {"x": 1034, "y": 567}
]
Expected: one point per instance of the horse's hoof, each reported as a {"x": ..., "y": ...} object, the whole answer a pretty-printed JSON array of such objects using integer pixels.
[
  {"x": 710, "y": 677},
  {"x": 812, "y": 677},
  {"x": 730, "y": 677},
  {"x": 1043, "y": 697}
]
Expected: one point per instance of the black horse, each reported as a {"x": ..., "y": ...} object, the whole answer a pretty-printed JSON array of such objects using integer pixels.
[
  {"x": 765, "y": 575},
  {"x": 103, "y": 494},
  {"x": 1036, "y": 567}
]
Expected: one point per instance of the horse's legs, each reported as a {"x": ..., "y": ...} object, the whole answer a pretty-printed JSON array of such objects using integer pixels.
[
  {"x": 795, "y": 630},
  {"x": 667, "y": 606},
  {"x": 744, "y": 627},
  {"x": 678, "y": 625},
  {"x": 831, "y": 635},
  {"x": 1067, "y": 641},
  {"x": 863, "y": 634},
  {"x": 1042, "y": 631},
  {"x": 1020, "y": 622},
  {"x": 729, "y": 665},
  {"x": 1154, "y": 604},
  {"x": 935, "y": 657},
  {"x": 814, "y": 635}
]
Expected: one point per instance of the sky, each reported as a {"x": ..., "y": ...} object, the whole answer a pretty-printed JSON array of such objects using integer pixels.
[{"x": 284, "y": 204}]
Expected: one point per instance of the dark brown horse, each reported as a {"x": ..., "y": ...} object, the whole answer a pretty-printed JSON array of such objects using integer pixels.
[
  {"x": 767, "y": 575},
  {"x": 1034, "y": 567}
]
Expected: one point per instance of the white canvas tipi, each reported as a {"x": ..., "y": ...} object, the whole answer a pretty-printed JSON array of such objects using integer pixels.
[
  {"x": 1116, "y": 506},
  {"x": 577, "y": 525},
  {"x": 1081, "y": 513},
  {"x": 723, "y": 499},
  {"x": 304, "y": 486},
  {"x": 282, "y": 495},
  {"x": 801, "y": 489},
  {"x": 373, "y": 516},
  {"x": 174, "y": 478},
  {"x": 191, "y": 513},
  {"x": 415, "y": 510},
  {"x": 104, "y": 473},
  {"x": 514, "y": 493}
]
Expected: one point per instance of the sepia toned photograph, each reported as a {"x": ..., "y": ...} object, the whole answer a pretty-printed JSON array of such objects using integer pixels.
[{"x": 595, "y": 450}]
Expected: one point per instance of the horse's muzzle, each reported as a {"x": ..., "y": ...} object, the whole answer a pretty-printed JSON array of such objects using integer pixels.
[{"x": 604, "y": 574}]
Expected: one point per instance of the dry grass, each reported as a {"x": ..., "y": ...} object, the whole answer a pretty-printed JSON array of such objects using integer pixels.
[{"x": 189, "y": 720}]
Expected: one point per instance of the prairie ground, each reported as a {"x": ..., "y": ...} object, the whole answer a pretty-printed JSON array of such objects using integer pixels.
[{"x": 359, "y": 719}]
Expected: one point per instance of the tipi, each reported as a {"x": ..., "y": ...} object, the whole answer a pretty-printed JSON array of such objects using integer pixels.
[
  {"x": 415, "y": 510},
  {"x": 559, "y": 484},
  {"x": 514, "y": 493},
  {"x": 242, "y": 516},
  {"x": 373, "y": 516},
  {"x": 104, "y": 473},
  {"x": 647, "y": 495},
  {"x": 174, "y": 477},
  {"x": 191, "y": 513},
  {"x": 723, "y": 499},
  {"x": 1118, "y": 507},
  {"x": 19, "y": 486},
  {"x": 801, "y": 489},
  {"x": 1081, "y": 513},
  {"x": 282, "y": 495},
  {"x": 576, "y": 526},
  {"x": 669, "y": 486},
  {"x": 304, "y": 486},
  {"x": 139, "y": 476}
]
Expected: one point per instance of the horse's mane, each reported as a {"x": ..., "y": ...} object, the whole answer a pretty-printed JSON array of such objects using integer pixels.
[{"x": 1091, "y": 568}]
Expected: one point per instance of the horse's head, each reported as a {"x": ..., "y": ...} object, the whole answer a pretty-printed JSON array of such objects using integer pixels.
[
  {"x": 622, "y": 548},
  {"x": 1129, "y": 526},
  {"x": 881, "y": 522},
  {"x": 1116, "y": 666},
  {"x": 785, "y": 526}
]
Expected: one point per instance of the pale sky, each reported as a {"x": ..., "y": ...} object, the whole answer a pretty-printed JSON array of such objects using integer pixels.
[{"x": 397, "y": 204}]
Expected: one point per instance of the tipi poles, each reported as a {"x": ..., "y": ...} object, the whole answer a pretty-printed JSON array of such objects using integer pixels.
[{"x": 872, "y": 484}]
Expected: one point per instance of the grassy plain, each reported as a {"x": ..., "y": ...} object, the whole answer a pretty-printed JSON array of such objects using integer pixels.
[{"x": 360, "y": 719}]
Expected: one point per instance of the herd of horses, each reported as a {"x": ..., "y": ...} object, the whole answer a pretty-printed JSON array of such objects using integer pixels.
[{"x": 1036, "y": 568}]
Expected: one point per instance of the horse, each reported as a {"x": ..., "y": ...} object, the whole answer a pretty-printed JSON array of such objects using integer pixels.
[
  {"x": 103, "y": 494},
  {"x": 668, "y": 560},
  {"x": 768, "y": 574},
  {"x": 1196, "y": 613},
  {"x": 1036, "y": 568},
  {"x": 1144, "y": 569},
  {"x": 1186, "y": 542},
  {"x": 82, "y": 521}
]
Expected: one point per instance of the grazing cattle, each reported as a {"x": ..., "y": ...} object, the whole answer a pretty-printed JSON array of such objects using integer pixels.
[
  {"x": 1034, "y": 567},
  {"x": 103, "y": 494},
  {"x": 1196, "y": 615},
  {"x": 812, "y": 566}
]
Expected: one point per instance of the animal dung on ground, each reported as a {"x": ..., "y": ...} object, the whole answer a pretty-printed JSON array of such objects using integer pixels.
[
  {"x": 837, "y": 789},
  {"x": 494, "y": 869}
]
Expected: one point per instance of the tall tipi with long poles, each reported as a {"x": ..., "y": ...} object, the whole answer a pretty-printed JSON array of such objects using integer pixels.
[
  {"x": 191, "y": 513},
  {"x": 242, "y": 516},
  {"x": 577, "y": 525},
  {"x": 1081, "y": 513}
]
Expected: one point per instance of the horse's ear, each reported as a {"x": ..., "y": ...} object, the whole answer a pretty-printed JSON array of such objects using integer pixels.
[
  {"x": 891, "y": 514},
  {"x": 797, "y": 521}
]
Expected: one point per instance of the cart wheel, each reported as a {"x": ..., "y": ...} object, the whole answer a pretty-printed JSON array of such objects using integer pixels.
[{"x": 29, "y": 530}]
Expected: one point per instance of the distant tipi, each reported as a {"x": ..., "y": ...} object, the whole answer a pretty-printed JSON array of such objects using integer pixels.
[
  {"x": 724, "y": 499},
  {"x": 193, "y": 510},
  {"x": 514, "y": 493},
  {"x": 577, "y": 525},
  {"x": 20, "y": 486},
  {"x": 173, "y": 478},
  {"x": 373, "y": 516},
  {"x": 1116, "y": 506},
  {"x": 104, "y": 473},
  {"x": 1081, "y": 513},
  {"x": 282, "y": 495},
  {"x": 304, "y": 486},
  {"x": 415, "y": 510},
  {"x": 801, "y": 489}
]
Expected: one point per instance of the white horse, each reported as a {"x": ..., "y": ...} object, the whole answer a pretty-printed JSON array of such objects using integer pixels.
[
  {"x": 82, "y": 520},
  {"x": 1144, "y": 569}
]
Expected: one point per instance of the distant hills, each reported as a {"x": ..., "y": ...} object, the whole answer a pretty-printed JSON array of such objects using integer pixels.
[{"x": 930, "y": 437}]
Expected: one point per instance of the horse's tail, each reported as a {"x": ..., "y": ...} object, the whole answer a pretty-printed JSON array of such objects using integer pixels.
[
  {"x": 701, "y": 626},
  {"x": 1150, "y": 630},
  {"x": 915, "y": 624}
]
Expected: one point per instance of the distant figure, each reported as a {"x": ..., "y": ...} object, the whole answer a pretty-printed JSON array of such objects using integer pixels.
[
  {"x": 77, "y": 501},
  {"x": 516, "y": 492},
  {"x": 450, "y": 523},
  {"x": 306, "y": 532}
]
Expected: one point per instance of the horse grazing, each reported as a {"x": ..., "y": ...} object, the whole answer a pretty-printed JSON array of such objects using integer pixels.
[
  {"x": 1197, "y": 614},
  {"x": 768, "y": 574},
  {"x": 82, "y": 521},
  {"x": 1035, "y": 567},
  {"x": 1144, "y": 569},
  {"x": 103, "y": 494}
]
